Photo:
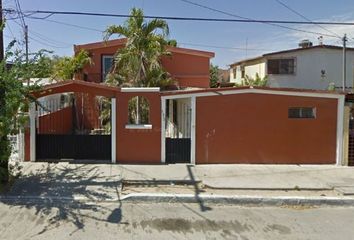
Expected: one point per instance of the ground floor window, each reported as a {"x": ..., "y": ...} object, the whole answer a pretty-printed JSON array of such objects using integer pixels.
[{"x": 302, "y": 112}]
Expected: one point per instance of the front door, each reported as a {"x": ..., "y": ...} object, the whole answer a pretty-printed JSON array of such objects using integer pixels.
[{"x": 178, "y": 131}]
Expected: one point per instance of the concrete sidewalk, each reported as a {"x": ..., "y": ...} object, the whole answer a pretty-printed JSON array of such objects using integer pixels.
[{"x": 104, "y": 181}]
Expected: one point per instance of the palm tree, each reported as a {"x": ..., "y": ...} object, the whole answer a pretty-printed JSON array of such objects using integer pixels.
[{"x": 139, "y": 62}]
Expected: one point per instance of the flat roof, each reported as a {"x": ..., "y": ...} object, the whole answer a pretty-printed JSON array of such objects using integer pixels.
[
  {"x": 331, "y": 47},
  {"x": 295, "y": 90}
]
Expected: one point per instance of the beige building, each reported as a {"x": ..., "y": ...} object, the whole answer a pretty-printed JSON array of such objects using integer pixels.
[{"x": 312, "y": 67}]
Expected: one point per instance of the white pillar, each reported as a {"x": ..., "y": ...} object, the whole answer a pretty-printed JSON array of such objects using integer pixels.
[
  {"x": 32, "y": 116},
  {"x": 193, "y": 129},
  {"x": 340, "y": 119},
  {"x": 114, "y": 129},
  {"x": 163, "y": 130}
]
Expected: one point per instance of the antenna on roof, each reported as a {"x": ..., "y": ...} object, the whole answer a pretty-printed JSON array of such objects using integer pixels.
[{"x": 320, "y": 40}]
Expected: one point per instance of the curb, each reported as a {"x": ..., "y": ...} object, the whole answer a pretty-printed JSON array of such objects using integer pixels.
[
  {"x": 239, "y": 199},
  {"x": 190, "y": 198}
]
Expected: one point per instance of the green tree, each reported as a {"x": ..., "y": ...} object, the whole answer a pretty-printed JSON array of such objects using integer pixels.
[
  {"x": 139, "y": 62},
  {"x": 41, "y": 64},
  {"x": 64, "y": 68},
  {"x": 214, "y": 75},
  {"x": 14, "y": 97},
  {"x": 257, "y": 81}
]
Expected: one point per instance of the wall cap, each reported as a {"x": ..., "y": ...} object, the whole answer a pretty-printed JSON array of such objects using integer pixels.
[
  {"x": 140, "y": 89},
  {"x": 138, "y": 126}
]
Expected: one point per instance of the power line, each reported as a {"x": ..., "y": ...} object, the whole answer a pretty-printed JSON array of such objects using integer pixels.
[
  {"x": 44, "y": 43},
  {"x": 13, "y": 36},
  {"x": 304, "y": 17},
  {"x": 20, "y": 13},
  {"x": 182, "y": 43},
  {"x": 45, "y": 38},
  {"x": 67, "y": 24},
  {"x": 269, "y": 22},
  {"x": 200, "y": 19},
  {"x": 223, "y": 47}
]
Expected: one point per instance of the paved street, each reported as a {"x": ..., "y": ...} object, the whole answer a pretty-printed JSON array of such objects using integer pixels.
[
  {"x": 104, "y": 181},
  {"x": 33, "y": 220}
]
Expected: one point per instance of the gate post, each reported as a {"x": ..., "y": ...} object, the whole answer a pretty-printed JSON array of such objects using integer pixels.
[
  {"x": 32, "y": 116},
  {"x": 163, "y": 130},
  {"x": 193, "y": 129},
  {"x": 113, "y": 129},
  {"x": 346, "y": 136}
]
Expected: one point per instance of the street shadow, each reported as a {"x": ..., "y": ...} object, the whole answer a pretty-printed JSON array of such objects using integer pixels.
[
  {"x": 197, "y": 190},
  {"x": 58, "y": 191}
]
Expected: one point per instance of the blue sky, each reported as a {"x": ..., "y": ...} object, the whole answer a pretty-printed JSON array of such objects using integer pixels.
[{"x": 236, "y": 37}]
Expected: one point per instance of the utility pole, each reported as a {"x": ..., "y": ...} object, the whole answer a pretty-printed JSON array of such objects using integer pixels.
[
  {"x": 26, "y": 42},
  {"x": 1, "y": 34},
  {"x": 344, "y": 60}
]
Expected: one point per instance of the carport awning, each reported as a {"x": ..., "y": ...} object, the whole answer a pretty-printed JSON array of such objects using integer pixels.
[{"x": 77, "y": 86}]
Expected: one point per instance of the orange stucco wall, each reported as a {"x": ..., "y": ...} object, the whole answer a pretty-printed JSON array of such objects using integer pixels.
[
  {"x": 187, "y": 70},
  {"x": 255, "y": 128},
  {"x": 58, "y": 122},
  {"x": 141, "y": 146},
  {"x": 94, "y": 70}
]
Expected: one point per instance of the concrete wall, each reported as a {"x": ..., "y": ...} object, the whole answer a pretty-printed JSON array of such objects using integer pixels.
[
  {"x": 58, "y": 122},
  {"x": 189, "y": 70},
  {"x": 309, "y": 64},
  {"x": 250, "y": 70},
  {"x": 141, "y": 146},
  {"x": 255, "y": 128}
]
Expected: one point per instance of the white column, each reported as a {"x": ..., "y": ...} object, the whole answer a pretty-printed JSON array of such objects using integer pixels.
[
  {"x": 114, "y": 129},
  {"x": 340, "y": 119},
  {"x": 193, "y": 129},
  {"x": 32, "y": 115},
  {"x": 163, "y": 130}
]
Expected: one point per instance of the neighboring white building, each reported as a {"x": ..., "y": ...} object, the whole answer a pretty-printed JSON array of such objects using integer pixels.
[{"x": 311, "y": 67}]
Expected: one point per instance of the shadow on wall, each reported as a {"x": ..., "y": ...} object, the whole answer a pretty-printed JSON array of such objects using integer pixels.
[{"x": 67, "y": 183}]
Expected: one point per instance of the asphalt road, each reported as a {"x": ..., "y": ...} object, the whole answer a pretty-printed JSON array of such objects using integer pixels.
[{"x": 45, "y": 220}]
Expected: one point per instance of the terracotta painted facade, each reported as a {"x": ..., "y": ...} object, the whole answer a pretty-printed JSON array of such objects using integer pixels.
[
  {"x": 141, "y": 146},
  {"x": 233, "y": 125},
  {"x": 189, "y": 67},
  {"x": 255, "y": 128}
]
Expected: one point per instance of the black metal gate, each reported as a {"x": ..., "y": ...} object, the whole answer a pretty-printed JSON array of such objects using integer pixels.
[
  {"x": 72, "y": 129},
  {"x": 351, "y": 148},
  {"x": 178, "y": 150},
  {"x": 96, "y": 147}
]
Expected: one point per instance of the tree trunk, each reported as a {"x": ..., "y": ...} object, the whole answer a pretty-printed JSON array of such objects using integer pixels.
[{"x": 137, "y": 110}]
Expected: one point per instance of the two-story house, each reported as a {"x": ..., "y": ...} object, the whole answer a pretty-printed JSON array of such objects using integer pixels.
[
  {"x": 307, "y": 67},
  {"x": 189, "y": 67}
]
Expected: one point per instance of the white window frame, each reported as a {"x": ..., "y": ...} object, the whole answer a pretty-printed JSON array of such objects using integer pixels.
[{"x": 103, "y": 69}]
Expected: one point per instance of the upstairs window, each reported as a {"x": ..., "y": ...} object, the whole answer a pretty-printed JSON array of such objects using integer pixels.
[
  {"x": 302, "y": 112},
  {"x": 281, "y": 66},
  {"x": 107, "y": 63}
]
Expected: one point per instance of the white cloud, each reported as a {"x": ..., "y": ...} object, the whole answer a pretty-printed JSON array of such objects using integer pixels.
[
  {"x": 279, "y": 39},
  {"x": 339, "y": 30}
]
